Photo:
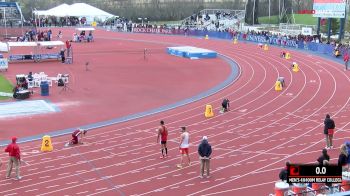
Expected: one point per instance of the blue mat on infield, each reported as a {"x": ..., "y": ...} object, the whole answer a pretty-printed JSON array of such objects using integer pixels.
[
  {"x": 22, "y": 108},
  {"x": 191, "y": 52}
]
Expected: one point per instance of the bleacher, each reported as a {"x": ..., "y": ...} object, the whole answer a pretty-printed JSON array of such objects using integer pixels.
[
  {"x": 214, "y": 20},
  {"x": 11, "y": 20}
]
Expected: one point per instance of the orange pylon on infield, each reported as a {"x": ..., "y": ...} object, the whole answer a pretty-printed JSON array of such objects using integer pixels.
[
  {"x": 46, "y": 144},
  {"x": 235, "y": 41},
  {"x": 288, "y": 56},
  {"x": 266, "y": 47},
  {"x": 295, "y": 67},
  {"x": 278, "y": 86},
  {"x": 209, "y": 111}
]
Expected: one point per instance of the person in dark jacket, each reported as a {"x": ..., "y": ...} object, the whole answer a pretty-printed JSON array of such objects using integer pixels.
[
  {"x": 204, "y": 151},
  {"x": 283, "y": 175},
  {"x": 15, "y": 158},
  {"x": 343, "y": 157},
  {"x": 323, "y": 157},
  {"x": 328, "y": 131},
  {"x": 225, "y": 105},
  {"x": 347, "y": 144}
]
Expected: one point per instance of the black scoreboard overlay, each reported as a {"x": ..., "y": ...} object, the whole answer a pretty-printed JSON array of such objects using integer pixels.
[{"x": 313, "y": 173}]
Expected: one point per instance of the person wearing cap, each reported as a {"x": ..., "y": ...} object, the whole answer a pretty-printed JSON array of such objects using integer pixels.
[
  {"x": 294, "y": 63},
  {"x": 328, "y": 130},
  {"x": 184, "y": 145},
  {"x": 204, "y": 151},
  {"x": 77, "y": 137},
  {"x": 14, "y": 158}
]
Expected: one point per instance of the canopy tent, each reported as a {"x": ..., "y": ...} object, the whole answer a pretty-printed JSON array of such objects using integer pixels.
[
  {"x": 77, "y": 10},
  {"x": 61, "y": 10},
  {"x": 85, "y": 10}
]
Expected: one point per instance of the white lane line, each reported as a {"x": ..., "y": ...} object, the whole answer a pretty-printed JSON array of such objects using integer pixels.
[
  {"x": 48, "y": 187},
  {"x": 26, "y": 180},
  {"x": 31, "y": 190},
  {"x": 63, "y": 174},
  {"x": 41, "y": 177},
  {"x": 81, "y": 192},
  {"x": 100, "y": 189},
  {"x": 74, "y": 182},
  {"x": 89, "y": 179},
  {"x": 33, "y": 169},
  {"x": 10, "y": 194}
]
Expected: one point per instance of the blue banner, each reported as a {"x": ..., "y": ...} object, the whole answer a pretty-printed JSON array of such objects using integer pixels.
[{"x": 8, "y": 4}]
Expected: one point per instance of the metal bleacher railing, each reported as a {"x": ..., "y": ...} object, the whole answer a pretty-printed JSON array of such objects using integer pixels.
[
  {"x": 227, "y": 18},
  {"x": 11, "y": 20}
]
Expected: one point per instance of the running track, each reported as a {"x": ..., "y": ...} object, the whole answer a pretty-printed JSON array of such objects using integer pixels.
[{"x": 250, "y": 143}]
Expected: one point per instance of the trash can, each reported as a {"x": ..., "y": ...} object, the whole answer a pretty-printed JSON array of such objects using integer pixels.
[{"x": 44, "y": 86}]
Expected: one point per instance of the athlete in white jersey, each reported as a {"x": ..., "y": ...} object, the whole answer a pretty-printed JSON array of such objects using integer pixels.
[{"x": 184, "y": 145}]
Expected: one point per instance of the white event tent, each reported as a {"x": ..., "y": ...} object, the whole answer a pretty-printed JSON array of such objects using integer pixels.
[{"x": 77, "y": 10}]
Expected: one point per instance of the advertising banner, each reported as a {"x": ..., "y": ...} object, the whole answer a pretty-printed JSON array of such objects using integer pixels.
[{"x": 329, "y": 8}]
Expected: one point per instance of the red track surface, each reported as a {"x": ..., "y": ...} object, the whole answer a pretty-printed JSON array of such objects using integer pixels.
[
  {"x": 250, "y": 143},
  {"x": 120, "y": 82}
]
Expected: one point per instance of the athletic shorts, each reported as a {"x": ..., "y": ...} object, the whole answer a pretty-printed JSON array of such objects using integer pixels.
[
  {"x": 163, "y": 142},
  {"x": 184, "y": 150}
]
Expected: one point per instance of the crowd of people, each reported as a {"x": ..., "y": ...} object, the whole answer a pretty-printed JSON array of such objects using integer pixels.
[
  {"x": 50, "y": 21},
  {"x": 34, "y": 35}
]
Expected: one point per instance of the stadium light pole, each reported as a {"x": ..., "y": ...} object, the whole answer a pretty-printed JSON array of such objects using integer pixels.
[
  {"x": 254, "y": 13},
  {"x": 269, "y": 12}
]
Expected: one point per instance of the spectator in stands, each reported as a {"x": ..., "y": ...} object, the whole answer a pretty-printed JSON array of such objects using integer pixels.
[
  {"x": 343, "y": 157},
  {"x": 204, "y": 151},
  {"x": 15, "y": 158},
  {"x": 284, "y": 172},
  {"x": 323, "y": 157},
  {"x": 329, "y": 126},
  {"x": 346, "y": 60}
]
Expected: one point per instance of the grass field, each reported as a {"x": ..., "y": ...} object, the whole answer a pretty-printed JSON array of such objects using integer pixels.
[
  {"x": 5, "y": 86},
  {"x": 306, "y": 19}
]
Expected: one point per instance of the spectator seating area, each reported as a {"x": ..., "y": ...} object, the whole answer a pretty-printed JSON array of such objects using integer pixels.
[{"x": 214, "y": 20}]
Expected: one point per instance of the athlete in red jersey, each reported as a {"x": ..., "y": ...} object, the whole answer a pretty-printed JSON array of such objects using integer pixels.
[
  {"x": 77, "y": 137},
  {"x": 163, "y": 134}
]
